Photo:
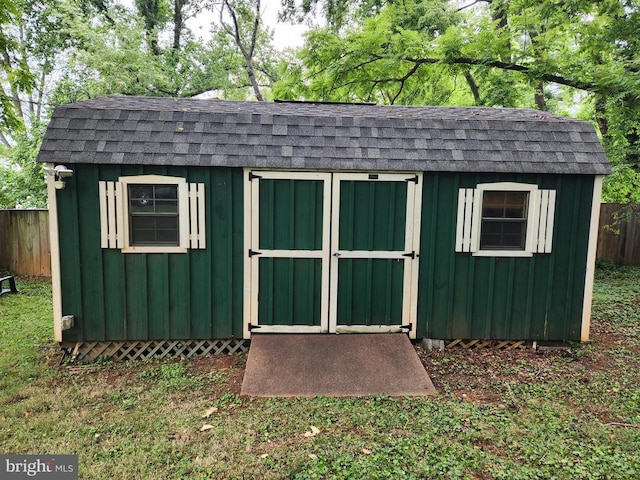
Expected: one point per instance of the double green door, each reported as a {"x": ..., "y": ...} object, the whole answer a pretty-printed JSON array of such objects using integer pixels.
[{"x": 332, "y": 252}]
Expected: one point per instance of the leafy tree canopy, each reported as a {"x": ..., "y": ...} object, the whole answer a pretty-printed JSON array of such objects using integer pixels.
[
  {"x": 59, "y": 51},
  {"x": 573, "y": 57}
]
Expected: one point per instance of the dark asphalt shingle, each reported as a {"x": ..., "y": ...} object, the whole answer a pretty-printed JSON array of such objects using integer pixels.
[{"x": 165, "y": 131}]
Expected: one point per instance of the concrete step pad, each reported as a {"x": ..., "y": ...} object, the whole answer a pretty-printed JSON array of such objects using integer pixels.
[{"x": 349, "y": 365}]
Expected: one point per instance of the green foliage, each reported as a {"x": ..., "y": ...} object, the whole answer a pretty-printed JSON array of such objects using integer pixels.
[
  {"x": 61, "y": 51},
  {"x": 171, "y": 376},
  {"x": 565, "y": 57},
  {"x": 375, "y": 62},
  {"x": 22, "y": 183}
]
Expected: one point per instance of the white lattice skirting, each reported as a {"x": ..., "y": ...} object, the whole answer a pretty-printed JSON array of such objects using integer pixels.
[
  {"x": 142, "y": 350},
  {"x": 495, "y": 344}
]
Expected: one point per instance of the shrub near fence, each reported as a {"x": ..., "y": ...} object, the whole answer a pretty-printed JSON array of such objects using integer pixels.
[{"x": 24, "y": 242}]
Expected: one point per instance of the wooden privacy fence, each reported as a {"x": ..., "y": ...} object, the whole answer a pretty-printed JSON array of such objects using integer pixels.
[
  {"x": 24, "y": 242},
  {"x": 620, "y": 247}
]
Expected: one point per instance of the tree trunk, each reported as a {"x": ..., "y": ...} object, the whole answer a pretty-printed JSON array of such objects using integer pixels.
[
  {"x": 541, "y": 102},
  {"x": 246, "y": 50},
  {"x": 178, "y": 22},
  {"x": 474, "y": 88}
]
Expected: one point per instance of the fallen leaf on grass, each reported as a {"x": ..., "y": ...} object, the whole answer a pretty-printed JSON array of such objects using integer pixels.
[
  {"x": 204, "y": 428},
  {"x": 314, "y": 431},
  {"x": 264, "y": 455},
  {"x": 366, "y": 451},
  {"x": 209, "y": 411}
]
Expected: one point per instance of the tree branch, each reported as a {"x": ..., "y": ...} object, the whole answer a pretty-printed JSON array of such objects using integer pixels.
[
  {"x": 471, "y": 5},
  {"x": 514, "y": 67},
  {"x": 474, "y": 87},
  {"x": 254, "y": 33},
  {"x": 4, "y": 140},
  {"x": 248, "y": 55}
]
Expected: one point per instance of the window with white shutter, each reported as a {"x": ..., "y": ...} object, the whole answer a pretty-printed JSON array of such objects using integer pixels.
[
  {"x": 152, "y": 214},
  {"x": 505, "y": 219}
]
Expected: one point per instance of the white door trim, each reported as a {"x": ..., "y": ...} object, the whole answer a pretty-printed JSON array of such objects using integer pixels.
[
  {"x": 252, "y": 243},
  {"x": 412, "y": 236}
]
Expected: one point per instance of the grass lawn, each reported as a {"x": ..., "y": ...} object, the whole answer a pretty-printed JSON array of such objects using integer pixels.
[{"x": 513, "y": 415}]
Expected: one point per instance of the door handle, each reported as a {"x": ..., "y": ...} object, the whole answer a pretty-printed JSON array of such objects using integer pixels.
[{"x": 337, "y": 254}]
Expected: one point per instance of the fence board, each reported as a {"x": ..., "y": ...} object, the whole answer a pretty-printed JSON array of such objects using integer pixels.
[
  {"x": 24, "y": 242},
  {"x": 623, "y": 246}
]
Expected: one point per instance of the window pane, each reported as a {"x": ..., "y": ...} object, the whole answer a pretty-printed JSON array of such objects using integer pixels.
[
  {"x": 167, "y": 192},
  {"x": 142, "y": 230},
  {"x": 504, "y": 204},
  {"x": 493, "y": 212},
  {"x": 493, "y": 199},
  {"x": 504, "y": 220},
  {"x": 141, "y": 206},
  {"x": 139, "y": 192},
  {"x": 142, "y": 237},
  {"x": 167, "y": 222},
  {"x": 153, "y": 214},
  {"x": 166, "y": 206},
  {"x": 144, "y": 222},
  {"x": 167, "y": 236}
]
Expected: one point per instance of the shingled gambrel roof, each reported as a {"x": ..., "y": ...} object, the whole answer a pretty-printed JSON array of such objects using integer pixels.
[{"x": 166, "y": 131}]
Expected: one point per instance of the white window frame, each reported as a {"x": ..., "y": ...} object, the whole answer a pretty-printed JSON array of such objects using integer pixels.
[
  {"x": 183, "y": 214},
  {"x": 114, "y": 214},
  {"x": 540, "y": 218}
]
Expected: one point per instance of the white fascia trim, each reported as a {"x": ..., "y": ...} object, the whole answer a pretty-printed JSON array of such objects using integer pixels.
[
  {"x": 54, "y": 244},
  {"x": 591, "y": 258}
]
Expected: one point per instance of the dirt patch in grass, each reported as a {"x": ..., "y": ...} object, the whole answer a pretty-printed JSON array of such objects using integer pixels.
[
  {"x": 463, "y": 369},
  {"x": 481, "y": 375},
  {"x": 230, "y": 365}
]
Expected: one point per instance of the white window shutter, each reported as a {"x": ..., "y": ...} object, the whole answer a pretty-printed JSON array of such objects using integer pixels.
[
  {"x": 196, "y": 216},
  {"x": 545, "y": 205},
  {"x": 464, "y": 226},
  {"x": 111, "y": 213}
]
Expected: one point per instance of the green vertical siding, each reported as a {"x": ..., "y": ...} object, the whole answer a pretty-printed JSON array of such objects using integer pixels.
[
  {"x": 290, "y": 291},
  {"x": 372, "y": 215},
  {"x": 116, "y": 296},
  {"x": 372, "y": 218},
  {"x": 370, "y": 291},
  {"x": 199, "y": 294},
  {"x": 538, "y": 298},
  {"x": 290, "y": 218},
  {"x": 291, "y": 214}
]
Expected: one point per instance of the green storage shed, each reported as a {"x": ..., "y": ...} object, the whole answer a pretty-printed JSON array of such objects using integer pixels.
[{"x": 184, "y": 226}]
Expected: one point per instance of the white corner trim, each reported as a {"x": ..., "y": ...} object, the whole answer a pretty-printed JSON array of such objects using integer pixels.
[
  {"x": 591, "y": 258},
  {"x": 54, "y": 244}
]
